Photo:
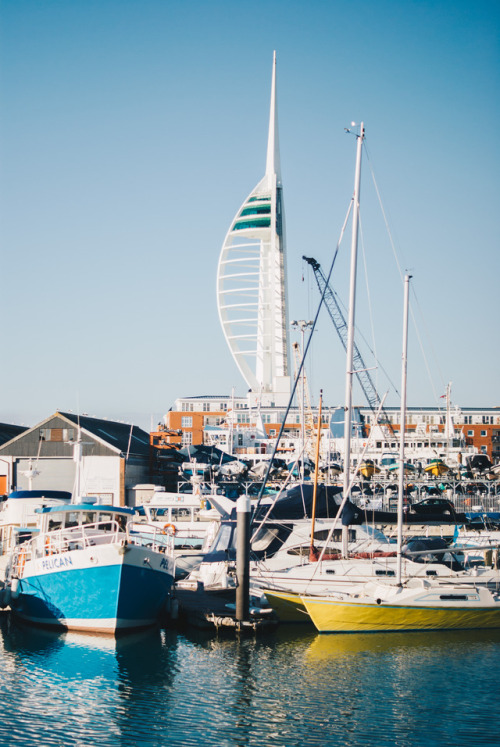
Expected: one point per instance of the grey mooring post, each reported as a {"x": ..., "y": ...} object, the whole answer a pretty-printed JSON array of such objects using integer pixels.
[{"x": 243, "y": 558}]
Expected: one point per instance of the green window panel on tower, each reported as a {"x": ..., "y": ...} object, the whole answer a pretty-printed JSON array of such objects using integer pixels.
[
  {"x": 256, "y": 210},
  {"x": 257, "y": 223}
]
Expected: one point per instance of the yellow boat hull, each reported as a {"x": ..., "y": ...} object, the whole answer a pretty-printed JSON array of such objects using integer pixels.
[
  {"x": 369, "y": 470},
  {"x": 288, "y": 606},
  {"x": 332, "y": 616},
  {"x": 437, "y": 469}
]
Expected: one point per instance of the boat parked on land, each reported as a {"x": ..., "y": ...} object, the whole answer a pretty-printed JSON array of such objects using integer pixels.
[
  {"x": 368, "y": 468},
  {"x": 436, "y": 468}
]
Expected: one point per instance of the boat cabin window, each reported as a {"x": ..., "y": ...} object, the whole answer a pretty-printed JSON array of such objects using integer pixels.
[
  {"x": 71, "y": 519},
  {"x": 105, "y": 520},
  {"x": 302, "y": 550},
  {"x": 53, "y": 525},
  {"x": 157, "y": 514},
  {"x": 337, "y": 535},
  {"x": 264, "y": 538},
  {"x": 223, "y": 539},
  {"x": 181, "y": 514}
]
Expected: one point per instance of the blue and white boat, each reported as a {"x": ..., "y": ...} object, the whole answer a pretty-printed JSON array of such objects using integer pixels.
[{"x": 85, "y": 570}]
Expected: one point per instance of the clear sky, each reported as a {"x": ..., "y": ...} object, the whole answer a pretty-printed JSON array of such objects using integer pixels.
[{"x": 132, "y": 130}]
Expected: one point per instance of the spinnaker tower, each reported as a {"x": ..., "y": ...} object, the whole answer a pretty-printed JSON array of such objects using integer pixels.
[{"x": 251, "y": 281}]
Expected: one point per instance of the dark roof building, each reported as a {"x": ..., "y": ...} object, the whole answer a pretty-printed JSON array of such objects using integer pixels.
[
  {"x": 114, "y": 457},
  {"x": 7, "y": 431}
]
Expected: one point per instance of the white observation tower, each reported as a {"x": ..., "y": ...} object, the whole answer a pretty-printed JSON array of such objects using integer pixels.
[{"x": 251, "y": 281}]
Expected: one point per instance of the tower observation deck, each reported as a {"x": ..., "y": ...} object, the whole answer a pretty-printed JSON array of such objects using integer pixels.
[{"x": 251, "y": 280}]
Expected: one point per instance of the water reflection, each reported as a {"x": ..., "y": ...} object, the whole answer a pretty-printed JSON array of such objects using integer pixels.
[
  {"x": 71, "y": 676},
  {"x": 327, "y": 648},
  {"x": 407, "y": 684},
  {"x": 290, "y": 687}
]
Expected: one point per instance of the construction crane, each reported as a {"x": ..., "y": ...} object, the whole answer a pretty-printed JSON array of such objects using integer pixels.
[
  {"x": 340, "y": 324},
  {"x": 309, "y": 428}
]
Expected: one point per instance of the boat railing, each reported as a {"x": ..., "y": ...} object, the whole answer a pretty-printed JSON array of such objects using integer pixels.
[
  {"x": 153, "y": 536},
  {"x": 78, "y": 537},
  {"x": 83, "y": 536},
  {"x": 21, "y": 554}
]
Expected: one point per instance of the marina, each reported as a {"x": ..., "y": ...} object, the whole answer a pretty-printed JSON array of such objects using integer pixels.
[{"x": 222, "y": 521}]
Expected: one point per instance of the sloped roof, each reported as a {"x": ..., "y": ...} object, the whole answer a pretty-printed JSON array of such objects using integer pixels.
[
  {"x": 113, "y": 433},
  {"x": 7, "y": 432}
]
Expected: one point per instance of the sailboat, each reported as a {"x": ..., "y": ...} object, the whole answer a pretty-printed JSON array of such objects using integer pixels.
[
  {"x": 380, "y": 593},
  {"x": 409, "y": 604}
]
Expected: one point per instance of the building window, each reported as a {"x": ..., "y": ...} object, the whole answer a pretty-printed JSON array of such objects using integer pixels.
[
  {"x": 223, "y": 406},
  {"x": 470, "y": 433},
  {"x": 483, "y": 433},
  {"x": 57, "y": 434},
  {"x": 186, "y": 421},
  {"x": 187, "y": 438},
  {"x": 484, "y": 449},
  {"x": 206, "y": 407}
]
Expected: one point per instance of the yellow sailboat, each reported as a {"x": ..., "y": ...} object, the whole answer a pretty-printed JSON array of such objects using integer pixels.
[
  {"x": 410, "y": 603},
  {"x": 288, "y": 606},
  {"x": 403, "y": 603},
  {"x": 375, "y": 608}
]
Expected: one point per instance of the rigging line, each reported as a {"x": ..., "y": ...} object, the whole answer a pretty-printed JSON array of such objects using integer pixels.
[
  {"x": 421, "y": 345},
  {"x": 282, "y": 488},
  {"x": 370, "y": 307},
  {"x": 402, "y": 275},
  {"x": 304, "y": 353},
  {"x": 360, "y": 333},
  {"x": 38, "y": 453}
]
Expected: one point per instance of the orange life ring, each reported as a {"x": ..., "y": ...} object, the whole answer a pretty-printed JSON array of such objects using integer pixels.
[{"x": 171, "y": 527}]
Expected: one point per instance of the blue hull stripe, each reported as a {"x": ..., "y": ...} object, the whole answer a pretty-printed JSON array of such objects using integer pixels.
[{"x": 128, "y": 594}]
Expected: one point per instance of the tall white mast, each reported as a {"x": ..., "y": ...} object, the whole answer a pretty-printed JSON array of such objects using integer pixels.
[
  {"x": 402, "y": 427},
  {"x": 350, "y": 327},
  {"x": 251, "y": 280}
]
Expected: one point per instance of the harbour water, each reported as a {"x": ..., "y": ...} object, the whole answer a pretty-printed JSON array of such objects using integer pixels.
[{"x": 290, "y": 687}]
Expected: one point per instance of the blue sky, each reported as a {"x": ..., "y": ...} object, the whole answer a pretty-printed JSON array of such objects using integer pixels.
[{"x": 130, "y": 133}]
